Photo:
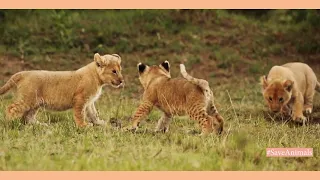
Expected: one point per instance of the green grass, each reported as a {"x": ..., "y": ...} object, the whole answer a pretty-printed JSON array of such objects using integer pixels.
[
  {"x": 231, "y": 50},
  {"x": 62, "y": 146}
]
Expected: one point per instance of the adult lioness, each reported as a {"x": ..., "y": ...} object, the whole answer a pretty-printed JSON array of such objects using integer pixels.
[
  {"x": 62, "y": 90},
  {"x": 292, "y": 84},
  {"x": 173, "y": 96}
]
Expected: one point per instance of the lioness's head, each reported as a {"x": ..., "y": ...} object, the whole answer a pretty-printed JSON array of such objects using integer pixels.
[
  {"x": 276, "y": 93},
  {"x": 109, "y": 69},
  {"x": 148, "y": 73}
]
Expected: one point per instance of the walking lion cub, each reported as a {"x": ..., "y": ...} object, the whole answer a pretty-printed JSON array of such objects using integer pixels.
[
  {"x": 290, "y": 89},
  {"x": 62, "y": 90},
  {"x": 174, "y": 96}
]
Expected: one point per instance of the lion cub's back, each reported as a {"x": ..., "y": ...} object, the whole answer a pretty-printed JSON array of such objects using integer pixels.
[
  {"x": 180, "y": 90},
  {"x": 300, "y": 69},
  {"x": 54, "y": 87}
]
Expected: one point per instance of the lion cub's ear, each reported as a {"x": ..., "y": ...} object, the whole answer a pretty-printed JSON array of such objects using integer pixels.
[
  {"x": 264, "y": 82},
  {"x": 141, "y": 67},
  {"x": 119, "y": 58},
  {"x": 165, "y": 65},
  {"x": 98, "y": 59},
  {"x": 287, "y": 85}
]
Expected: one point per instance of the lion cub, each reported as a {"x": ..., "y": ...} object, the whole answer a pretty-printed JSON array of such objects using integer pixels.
[
  {"x": 173, "y": 96},
  {"x": 290, "y": 87},
  {"x": 62, "y": 90}
]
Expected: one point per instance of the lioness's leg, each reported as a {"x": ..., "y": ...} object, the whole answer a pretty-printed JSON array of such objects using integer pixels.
[
  {"x": 163, "y": 123},
  {"x": 297, "y": 109},
  {"x": 92, "y": 115},
  {"x": 142, "y": 111}
]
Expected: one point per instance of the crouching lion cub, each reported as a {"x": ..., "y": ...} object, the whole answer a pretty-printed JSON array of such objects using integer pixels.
[
  {"x": 290, "y": 89},
  {"x": 173, "y": 96},
  {"x": 62, "y": 90}
]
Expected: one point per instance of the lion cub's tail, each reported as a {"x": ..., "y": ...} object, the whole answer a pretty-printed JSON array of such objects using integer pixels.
[
  {"x": 318, "y": 87},
  {"x": 10, "y": 83},
  {"x": 203, "y": 84}
]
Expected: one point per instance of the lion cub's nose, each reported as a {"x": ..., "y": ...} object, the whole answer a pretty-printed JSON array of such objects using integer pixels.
[{"x": 121, "y": 83}]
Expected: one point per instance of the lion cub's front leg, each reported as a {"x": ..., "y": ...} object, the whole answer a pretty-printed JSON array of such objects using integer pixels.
[
  {"x": 79, "y": 110},
  {"x": 92, "y": 115},
  {"x": 143, "y": 110},
  {"x": 297, "y": 109}
]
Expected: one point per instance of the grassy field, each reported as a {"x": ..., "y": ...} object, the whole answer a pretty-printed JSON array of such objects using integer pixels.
[{"x": 228, "y": 48}]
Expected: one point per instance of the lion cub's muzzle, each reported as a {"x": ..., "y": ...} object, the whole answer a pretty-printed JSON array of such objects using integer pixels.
[{"x": 118, "y": 84}]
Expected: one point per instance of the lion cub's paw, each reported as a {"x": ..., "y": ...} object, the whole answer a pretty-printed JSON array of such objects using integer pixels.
[
  {"x": 41, "y": 124},
  {"x": 161, "y": 130},
  {"x": 99, "y": 123},
  {"x": 309, "y": 110},
  {"x": 130, "y": 129},
  {"x": 83, "y": 124},
  {"x": 301, "y": 119}
]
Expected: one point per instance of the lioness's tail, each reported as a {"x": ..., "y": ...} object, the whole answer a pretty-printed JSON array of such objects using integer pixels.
[
  {"x": 203, "y": 84},
  {"x": 318, "y": 87},
  {"x": 10, "y": 83}
]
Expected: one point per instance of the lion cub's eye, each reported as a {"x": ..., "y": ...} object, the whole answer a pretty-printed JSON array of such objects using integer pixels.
[
  {"x": 281, "y": 99},
  {"x": 270, "y": 98},
  {"x": 114, "y": 71}
]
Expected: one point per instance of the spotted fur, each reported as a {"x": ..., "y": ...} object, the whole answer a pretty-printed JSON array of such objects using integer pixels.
[{"x": 173, "y": 96}]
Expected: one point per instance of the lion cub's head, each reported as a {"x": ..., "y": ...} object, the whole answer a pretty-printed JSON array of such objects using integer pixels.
[
  {"x": 109, "y": 69},
  {"x": 148, "y": 73},
  {"x": 276, "y": 93}
]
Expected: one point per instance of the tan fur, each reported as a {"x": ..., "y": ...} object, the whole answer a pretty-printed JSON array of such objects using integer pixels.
[
  {"x": 62, "y": 90},
  {"x": 204, "y": 85},
  {"x": 290, "y": 87},
  {"x": 173, "y": 96}
]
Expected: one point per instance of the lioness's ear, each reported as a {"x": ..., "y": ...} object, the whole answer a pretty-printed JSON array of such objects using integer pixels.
[
  {"x": 98, "y": 59},
  {"x": 264, "y": 82},
  {"x": 288, "y": 84},
  {"x": 166, "y": 65},
  {"x": 119, "y": 58},
  {"x": 141, "y": 67}
]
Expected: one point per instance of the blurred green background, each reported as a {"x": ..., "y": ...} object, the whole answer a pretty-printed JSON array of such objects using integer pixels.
[{"x": 224, "y": 36}]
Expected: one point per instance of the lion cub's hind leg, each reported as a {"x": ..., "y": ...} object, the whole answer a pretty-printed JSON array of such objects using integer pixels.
[
  {"x": 200, "y": 115},
  {"x": 163, "y": 123},
  {"x": 308, "y": 100},
  {"x": 92, "y": 115},
  {"x": 30, "y": 117},
  {"x": 17, "y": 110}
]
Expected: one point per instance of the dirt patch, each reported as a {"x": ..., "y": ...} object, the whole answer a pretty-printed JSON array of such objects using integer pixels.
[{"x": 9, "y": 65}]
